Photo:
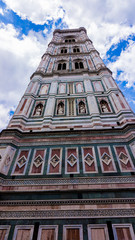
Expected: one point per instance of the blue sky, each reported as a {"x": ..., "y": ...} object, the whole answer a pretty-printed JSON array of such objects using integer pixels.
[{"x": 26, "y": 28}]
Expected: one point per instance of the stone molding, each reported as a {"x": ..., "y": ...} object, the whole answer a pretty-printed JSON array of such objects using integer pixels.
[
  {"x": 67, "y": 202},
  {"x": 70, "y": 30},
  {"x": 61, "y": 214},
  {"x": 65, "y": 181}
]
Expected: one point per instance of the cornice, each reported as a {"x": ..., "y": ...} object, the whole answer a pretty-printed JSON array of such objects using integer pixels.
[
  {"x": 69, "y": 73},
  {"x": 51, "y": 202},
  {"x": 67, "y": 44},
  {"x": 70, "y": 30},
  {"x": 64, "y": 214},
  {"x": 69, "y": 133},
  {"x": 69, "y": 181},
  {"x": 70, "y": 54}
]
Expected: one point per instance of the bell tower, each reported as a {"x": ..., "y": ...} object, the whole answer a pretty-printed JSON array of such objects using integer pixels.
[
  {"x": 71, "y": 82},
  {"x": 67, "y": 157}
]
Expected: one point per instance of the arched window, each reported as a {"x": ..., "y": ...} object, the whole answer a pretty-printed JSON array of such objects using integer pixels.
[
  {"x": 79, "y": 65},
  {"x": 38, "y": 109},
  {"x": 82, "y": 108},
  {"x": 76, "y": 49},
  {"x": 104, "y": 106},
  {"x": 59, "y": 66},
  {"x": 69, "y": 40},
  {"x": 60, "y": 108},
  {"x": 63, "y": 50},
  {"x": 76, "y": 65},
  {"x": 64, "y": 66}
]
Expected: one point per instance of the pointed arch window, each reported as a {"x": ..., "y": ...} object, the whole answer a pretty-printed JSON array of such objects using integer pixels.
[
  {"x": 38, "y": 110},
  {"x": 79, "y": 65},
  {"x": 76, "y": 65},
  {"x": 64, "y": 50},
  {"x": 60, "y": 108},
  {"x": 104, "y": 106},
  {"x": 64, "y": 66},
  {"x": 69, "y": 40},
  {"x": 82, "y": 107},
  {"x": 76, "y": 49},
  {"x": 61, "y": 66}
]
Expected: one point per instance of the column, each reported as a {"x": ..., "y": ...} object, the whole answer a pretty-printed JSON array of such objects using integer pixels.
[
  {"x": 49, "y": 111},
  {"x": 124, "y": 101},
  {"x": 27, "y": 107},
  {"x": 35, "y": 88},
  {"x": 115, "y": 102},
  {"x": 92, "y": 105}
]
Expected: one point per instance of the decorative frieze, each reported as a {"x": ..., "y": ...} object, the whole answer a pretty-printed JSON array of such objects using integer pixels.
[
  {"x": 104, "y": 201},
  {"x": 65, "y": 181},
  {"x": 61, "y": 214}
]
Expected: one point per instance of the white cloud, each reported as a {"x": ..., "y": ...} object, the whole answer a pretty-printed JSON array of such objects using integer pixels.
[
  {"x": 106, "y": 22},
  {"x": 4, "y": 115},
  {"x": 19, "y": 58},
  {"x": 76, "y": 12},
  {"x": 38, "y": 12},
  {"x": 1, "y": 11},
  {"x": 125, "y": 63},
  {"x": 112, "y": 33}
]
